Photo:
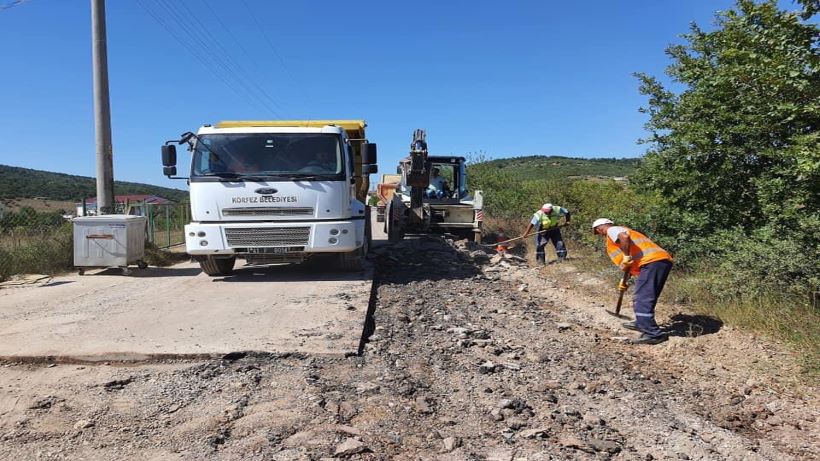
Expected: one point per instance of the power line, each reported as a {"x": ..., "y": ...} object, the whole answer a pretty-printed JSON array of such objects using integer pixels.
[
  {"x": 276, "y": 53},
  {"x": 194, "y": 52},
  {"x": 206, "y": 32},
  {"x": 204, "y": 39},
  {"x": 196, "y": 43},
  {"x": 11, "y": 5}
]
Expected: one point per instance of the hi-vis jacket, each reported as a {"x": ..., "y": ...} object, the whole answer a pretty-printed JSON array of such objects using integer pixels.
[
  {"x": 643, "y": 251},
  {"x": 548, "y": 221}
]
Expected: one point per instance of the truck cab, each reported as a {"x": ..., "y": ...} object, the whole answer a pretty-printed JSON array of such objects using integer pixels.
[{"x": 277, "y": 192}]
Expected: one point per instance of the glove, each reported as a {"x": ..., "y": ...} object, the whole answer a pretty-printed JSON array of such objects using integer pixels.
[
  {"x": 626, "y": 263},
  {"x": 622, "y": 286}
]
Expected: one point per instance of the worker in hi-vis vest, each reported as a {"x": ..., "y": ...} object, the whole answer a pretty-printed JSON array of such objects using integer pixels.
[
  {"x": 545, "y": 222},
  {"x": 634, "y": 252}
]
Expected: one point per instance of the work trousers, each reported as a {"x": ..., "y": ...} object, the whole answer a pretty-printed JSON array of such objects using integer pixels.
[
  {"x": 553, "y": 235},
  {"x": 648, "y": 288}
]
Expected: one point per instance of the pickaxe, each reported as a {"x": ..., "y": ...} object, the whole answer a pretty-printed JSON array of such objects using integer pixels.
[{"x": 621, "y": 290}]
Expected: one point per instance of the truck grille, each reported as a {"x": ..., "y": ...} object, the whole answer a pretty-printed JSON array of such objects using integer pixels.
[
  {"x": 268, "y": 211},
  {"x": 267, "y": 236}
]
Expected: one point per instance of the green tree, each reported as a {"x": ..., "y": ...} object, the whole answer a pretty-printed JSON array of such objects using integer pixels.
[
  {"x": 737, "y": 150},
  {"x": 741, "y": 141}
]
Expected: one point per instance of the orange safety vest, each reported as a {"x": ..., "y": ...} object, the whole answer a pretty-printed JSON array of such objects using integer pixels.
[{"x": 643, "y": 251}]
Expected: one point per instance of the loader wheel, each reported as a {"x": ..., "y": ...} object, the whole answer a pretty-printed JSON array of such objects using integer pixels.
[
  {"x": 217, "y": 266},
  {"x": 393, "y": 226}
]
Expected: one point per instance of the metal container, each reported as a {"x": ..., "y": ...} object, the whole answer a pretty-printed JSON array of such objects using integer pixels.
[{"x": 109, "y": 241}]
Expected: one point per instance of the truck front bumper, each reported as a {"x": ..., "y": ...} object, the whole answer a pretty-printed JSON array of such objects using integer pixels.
[{"x": 293, "y": 237}]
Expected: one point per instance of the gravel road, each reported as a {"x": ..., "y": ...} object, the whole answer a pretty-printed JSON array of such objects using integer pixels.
[{"x": 469, "y": 359}]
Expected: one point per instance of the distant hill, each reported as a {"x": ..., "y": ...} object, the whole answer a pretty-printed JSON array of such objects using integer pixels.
[
  {"x": 556, "y": 167},
  {"x": 18, "y": 183}
]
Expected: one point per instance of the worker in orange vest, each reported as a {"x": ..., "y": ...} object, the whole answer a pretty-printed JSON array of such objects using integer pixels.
[{"x": 633, "y": 251}]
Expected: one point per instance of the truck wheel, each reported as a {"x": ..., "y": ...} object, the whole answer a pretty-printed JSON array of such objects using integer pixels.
[
  {"x": 217, "y": 266},
  {"x": 354, "y": 261}
]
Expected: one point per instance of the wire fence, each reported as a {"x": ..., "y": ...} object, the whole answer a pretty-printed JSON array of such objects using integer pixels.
[{"x": 41, "y": 242}]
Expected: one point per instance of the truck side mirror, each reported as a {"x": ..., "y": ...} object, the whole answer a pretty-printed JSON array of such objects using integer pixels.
[
  {"x": 169, "y": 171},
  {"x": 368, "y": 153},
  {"x": 169, "y": 157},
  {"x": 370, "y": 169}
]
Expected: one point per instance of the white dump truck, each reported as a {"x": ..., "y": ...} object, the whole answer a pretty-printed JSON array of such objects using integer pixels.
[{"x": 277, "y": 192}]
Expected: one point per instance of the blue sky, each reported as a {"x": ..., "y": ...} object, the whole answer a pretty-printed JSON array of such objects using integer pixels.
[{"x": 506, "y": 79}]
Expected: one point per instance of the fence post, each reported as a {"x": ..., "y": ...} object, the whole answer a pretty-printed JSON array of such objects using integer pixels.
[
  {"x": 150, "y": 210},
  {"x": 168, "y": 223}
]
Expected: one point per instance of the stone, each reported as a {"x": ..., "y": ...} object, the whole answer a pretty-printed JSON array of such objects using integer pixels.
[
  {"x": 486, "y": 367},
  {"x": 607, "y": 446},
  {"x": 83, "y": 424},
  {"x": 423, "y": 405},
  {"x": 540, "y": 432},
  {"x": 480, "y": 257},
  {"x": 451, "y": 443},
  {"x": 563, "y": 326},
  {"x": 347, "y": 411},
  {"x": 516, "y": 423},
  {"x": 350, "y": 447},
  {"x": 570, "y": 441},
  {"x": 593, "y": 420}
]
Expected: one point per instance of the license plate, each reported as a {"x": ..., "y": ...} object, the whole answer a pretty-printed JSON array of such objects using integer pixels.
[{"x": 275, "y": 250}]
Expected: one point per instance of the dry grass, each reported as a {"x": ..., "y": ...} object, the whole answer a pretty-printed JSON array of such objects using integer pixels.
[{"x": 774, "y": 315}]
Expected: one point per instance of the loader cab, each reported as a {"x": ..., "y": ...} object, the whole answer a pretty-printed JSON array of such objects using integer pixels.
[{"x": 452, "y": 169}]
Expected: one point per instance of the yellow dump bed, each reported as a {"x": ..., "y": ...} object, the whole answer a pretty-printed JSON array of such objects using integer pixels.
[{"x": 354, "y": 128}]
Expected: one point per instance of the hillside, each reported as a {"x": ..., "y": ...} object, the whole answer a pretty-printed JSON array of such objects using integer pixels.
[
  {"x": 557, "y": 167},
  {"x": 18, "y": 183}
]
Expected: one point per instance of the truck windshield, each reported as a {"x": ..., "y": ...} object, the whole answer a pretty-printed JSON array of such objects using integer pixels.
[{"x": 288, "y": 155}]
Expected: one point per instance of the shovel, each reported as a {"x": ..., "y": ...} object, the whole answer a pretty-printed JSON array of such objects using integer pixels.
[{"x": 617, "y": 312}]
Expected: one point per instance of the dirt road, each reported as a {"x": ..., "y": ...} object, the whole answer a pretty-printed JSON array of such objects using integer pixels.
[
  {"x": 469, "y": 359},
  {"x": 179, "y": 311}
]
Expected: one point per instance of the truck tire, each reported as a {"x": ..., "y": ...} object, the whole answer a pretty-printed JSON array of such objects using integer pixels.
[
  {"x": 353, "y": 261},
  {"x": 217, "y": 266}
]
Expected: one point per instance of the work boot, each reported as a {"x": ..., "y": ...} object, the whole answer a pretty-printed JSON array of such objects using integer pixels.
[
  {"x": 651, "y": 340},
  {"x": 630, "y": 326}
]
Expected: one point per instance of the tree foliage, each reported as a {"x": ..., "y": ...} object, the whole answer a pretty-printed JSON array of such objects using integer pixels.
[{"x": 737, "y": 150}]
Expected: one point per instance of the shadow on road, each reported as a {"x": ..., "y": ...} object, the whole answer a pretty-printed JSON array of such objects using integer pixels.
[
  {"x": 164, "y": 272},
  {"x": 312, "y": 272},
  {"x": 692, "y": 326}
]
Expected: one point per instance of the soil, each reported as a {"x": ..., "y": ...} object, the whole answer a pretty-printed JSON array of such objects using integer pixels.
[{"x": 470, "y": 357}]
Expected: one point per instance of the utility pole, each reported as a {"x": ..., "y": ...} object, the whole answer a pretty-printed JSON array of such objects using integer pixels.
[{"x": 102, "y": 111}]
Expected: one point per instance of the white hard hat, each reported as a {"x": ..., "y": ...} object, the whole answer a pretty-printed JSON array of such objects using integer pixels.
[
  {"x": 600, "y": 222},
  {"x": 546, "y": 206}
]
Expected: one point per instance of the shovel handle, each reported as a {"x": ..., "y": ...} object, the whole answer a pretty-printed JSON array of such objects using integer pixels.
[{"x": 624, "y": 280}]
